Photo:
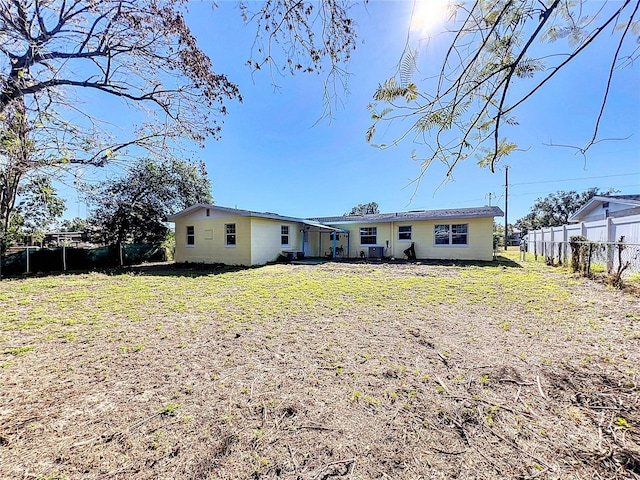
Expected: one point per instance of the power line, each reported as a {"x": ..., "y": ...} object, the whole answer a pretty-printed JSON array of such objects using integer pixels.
[
  {"x": 581, "y": 178},
  {"x": 578, "y": 190},
  {"x": 498, "y": 198}
]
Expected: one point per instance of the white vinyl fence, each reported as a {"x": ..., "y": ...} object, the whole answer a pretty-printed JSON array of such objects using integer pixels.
[{"x": 553, "y": 243}]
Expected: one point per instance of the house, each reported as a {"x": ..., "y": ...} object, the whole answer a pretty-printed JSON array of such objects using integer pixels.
[
  {"x": 602, "y": 207},
  {"x": 515, "y": 237},
  {"x": 212, "y": 234}
]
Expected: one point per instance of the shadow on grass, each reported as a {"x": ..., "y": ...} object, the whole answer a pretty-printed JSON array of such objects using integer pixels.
[{"x": 168, "y": 269}]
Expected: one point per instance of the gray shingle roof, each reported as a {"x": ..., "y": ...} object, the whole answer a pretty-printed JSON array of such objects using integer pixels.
[
  {"x": 444, "y": 214},
  {"x": 634, "y": 198}
]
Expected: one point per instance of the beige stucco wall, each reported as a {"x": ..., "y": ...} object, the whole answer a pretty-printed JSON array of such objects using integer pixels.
[
  {"x": 257, "y": 239},
  {"x": 480, "y": 240},
  {"x": 266, "y": 237},
  {"x": 210, "y": 239}
]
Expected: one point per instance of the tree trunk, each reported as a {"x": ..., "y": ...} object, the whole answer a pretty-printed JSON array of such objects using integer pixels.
[{"x": 16, "y": 162}]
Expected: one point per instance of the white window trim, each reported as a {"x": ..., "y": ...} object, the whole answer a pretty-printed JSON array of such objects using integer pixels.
[
  {"x": 226, "y": 235},
  {"x": 186, "y": 240},
  {"x": 374, "y": 244},
  {"x": 404, "y": 239},
  {"x": 450, "y": 245},
  {"x": 285, "y": 234}
]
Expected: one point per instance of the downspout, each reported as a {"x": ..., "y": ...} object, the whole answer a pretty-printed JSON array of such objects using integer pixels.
[{"x": 391, "y": 239}]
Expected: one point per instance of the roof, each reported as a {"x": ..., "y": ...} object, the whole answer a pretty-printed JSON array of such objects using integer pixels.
[
  {"x": 234, "y": 211},
  {"x": 320, "y": 222},
  {"x": 631, "y": 200},
  {"x": 249, "y": 213},
  {"x": 445, "y": 214}
]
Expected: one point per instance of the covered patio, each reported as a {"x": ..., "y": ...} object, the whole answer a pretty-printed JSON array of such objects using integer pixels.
[{"x": 332, "y": 250}]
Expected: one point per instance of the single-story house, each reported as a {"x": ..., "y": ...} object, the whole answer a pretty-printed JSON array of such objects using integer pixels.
[
  {"x": 213, "y": 234},
  {"x": 602, "y": 207}
]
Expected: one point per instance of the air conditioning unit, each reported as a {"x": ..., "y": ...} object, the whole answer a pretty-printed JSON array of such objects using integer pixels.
[{"x": 376, "y": 252}]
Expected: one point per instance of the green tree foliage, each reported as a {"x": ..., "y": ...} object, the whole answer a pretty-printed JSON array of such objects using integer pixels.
[
  {"x": 140, "y": 58},
  {"x": 37, "y": 209},
  {"x": 76, "y": 224},
  {"x": 364, "y": 209},
  {"x": 500, "y": 53},
  {"x": 134, "y": 208},
  {"x": 58, "y": 57},
  {"x": 555, "y": 209}
]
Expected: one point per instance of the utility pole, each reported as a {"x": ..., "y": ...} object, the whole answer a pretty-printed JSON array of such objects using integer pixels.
[{"x": 506, "y": 205}]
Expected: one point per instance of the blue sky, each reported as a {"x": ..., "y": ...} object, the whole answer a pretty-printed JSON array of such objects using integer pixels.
[{"x": 273, "y": 156}]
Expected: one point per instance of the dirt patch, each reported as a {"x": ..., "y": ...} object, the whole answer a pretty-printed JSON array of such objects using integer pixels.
[{"x": 335, "y": 371}]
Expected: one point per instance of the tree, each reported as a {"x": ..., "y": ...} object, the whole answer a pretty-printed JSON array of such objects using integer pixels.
[
  {"x": 76, "y": 224},
  {"x": 555, "y": 209},
  {"x": 500, "y": 53},
  {"x": 364, "y": 209},
  {"x": 37, "y": 208},
  {"x": 57, "y": 57},
  {"x": 314, "y": 37},
  {"x": 134, "y": 208}
]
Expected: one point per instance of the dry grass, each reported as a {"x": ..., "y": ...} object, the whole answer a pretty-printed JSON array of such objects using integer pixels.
[{"x": 338, "y": 371}]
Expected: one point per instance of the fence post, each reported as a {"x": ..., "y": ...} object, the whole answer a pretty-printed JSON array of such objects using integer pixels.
[
  {"x": 27, "y": 259},
  {"x": 64, "y": 258},
  {"x": 611, "y": 245},
  {"x": 565, "y": 241}
]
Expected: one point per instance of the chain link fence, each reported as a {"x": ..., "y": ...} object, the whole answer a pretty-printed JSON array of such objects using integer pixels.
[
  {"x": 613, "y": 258},
  {"x": 34, "y": 259}
]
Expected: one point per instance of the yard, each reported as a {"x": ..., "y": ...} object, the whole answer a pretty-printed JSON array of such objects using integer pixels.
[{"x": 327, "y": 372}]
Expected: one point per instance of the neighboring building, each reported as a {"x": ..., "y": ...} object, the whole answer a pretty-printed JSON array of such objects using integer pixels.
[
  {"x": 213, "y": 234},
  {"x": 515, "y": 237},
  {"x": 70, "y": 239},
  {"x": 610, "y": 206}
]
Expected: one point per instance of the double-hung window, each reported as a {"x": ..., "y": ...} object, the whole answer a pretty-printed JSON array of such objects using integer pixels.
[
  {"x": 284, "y": 235},
  {"x": 404, "y": 232},
  {"x": 230, "y": 236},
  {"x": 452, "y": 234},
  {"x": 368, "y": 235},
  {"x": 191, "y": 235}
]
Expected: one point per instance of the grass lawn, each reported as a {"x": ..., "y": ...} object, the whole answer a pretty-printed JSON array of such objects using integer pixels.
[{"x": 327, "y": 372}]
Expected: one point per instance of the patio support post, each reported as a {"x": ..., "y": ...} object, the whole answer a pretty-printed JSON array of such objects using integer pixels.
[
  {"x": 335, "y": 241},
  {"x": 348, "y": 244}
]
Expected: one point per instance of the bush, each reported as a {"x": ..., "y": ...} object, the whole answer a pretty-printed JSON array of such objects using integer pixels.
[{"x": 581, "y": 249}]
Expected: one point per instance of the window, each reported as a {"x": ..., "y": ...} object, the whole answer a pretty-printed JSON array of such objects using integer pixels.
[
  {"x": 455, "y": 234},
  {"x": 208, "y": 213},
  {"x": 191, "y": 235},
  {"x": 334, "y": 234},
  {"x": 230, "y": 229},
  {"x": 404, "y": 233},
  {"x": 368, "y": 235},
  {"x": 284, "y": 234}
]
